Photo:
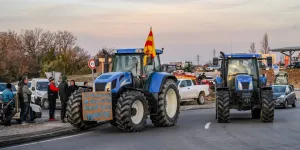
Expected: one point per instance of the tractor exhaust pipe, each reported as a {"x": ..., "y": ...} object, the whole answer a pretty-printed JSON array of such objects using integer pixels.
[
  {"x": 223, "y": 70},
  {"x": 106, "y": 64}
]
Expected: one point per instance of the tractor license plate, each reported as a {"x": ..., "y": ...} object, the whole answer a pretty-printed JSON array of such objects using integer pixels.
[{"x": 96, "y": 106}]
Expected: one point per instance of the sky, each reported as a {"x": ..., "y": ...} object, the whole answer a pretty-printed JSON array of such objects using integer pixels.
[{"x": 184, "y": 28}]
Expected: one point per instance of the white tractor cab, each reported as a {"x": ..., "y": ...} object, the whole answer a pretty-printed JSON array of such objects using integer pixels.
[{"x": 36, "y": 110}]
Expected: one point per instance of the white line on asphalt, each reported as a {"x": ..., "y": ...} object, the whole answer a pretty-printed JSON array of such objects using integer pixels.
[
  {"x": 65, "y": 137},
  {"x": 207, "y": 125}
]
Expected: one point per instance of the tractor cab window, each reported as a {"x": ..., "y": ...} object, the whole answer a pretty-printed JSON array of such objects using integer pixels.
[
  {"x": 125, "y": 63},
  {"x": 150, "y": 67},
  {"x": 238, "y": 66}
]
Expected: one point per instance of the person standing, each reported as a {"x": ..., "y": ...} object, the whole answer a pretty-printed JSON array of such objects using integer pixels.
[
  {"x": 26, "y": 98},
  {"x": 73, "y": 87},
  {"x": 52, "y": 96},
  {"x": 63, "y": 94},
  {"x": 7, "y": 96}
]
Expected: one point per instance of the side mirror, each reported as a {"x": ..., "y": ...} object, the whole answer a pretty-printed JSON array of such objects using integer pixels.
[
  {"x": 215, "y": 61},
  {"x": 181, "y": 85},
  {"x": 32, "y": 88}
]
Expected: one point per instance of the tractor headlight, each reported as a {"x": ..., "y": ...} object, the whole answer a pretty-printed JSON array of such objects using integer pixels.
[
  {"x": 108, "y": 86},
  {"x": 250, "y": 86},
  {"x": 240, "y": 87},
  {"x": 281, "y": 96}
]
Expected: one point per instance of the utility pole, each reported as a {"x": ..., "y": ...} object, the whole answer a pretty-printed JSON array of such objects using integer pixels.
[
  {"x": 231, "y": 46},
  {"x": 214, "y": 52},
  {"x": 198, "y": 59}
]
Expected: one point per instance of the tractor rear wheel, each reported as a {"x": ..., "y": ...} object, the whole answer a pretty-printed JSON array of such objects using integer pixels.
[
  {"x": 168, "y": 105},
  {"x": 223, "y": 108},
  {"x": 131, "y": 111},
  {"x": 74, "y": 112},
  {"x": 267, "y": 110}
]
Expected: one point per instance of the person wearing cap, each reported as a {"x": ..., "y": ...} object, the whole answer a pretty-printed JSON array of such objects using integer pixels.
[
  {"x": 52, "y": 96},
  {"x": 25, "y": 98},
  {"x": 63, "y": 94},
  {"x": 7, "y": 96}
]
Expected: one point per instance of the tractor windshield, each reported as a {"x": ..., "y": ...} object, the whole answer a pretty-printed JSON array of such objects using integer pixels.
[
  {"x": 125, "y": 63},
  {"x": 242, "y": 66}
]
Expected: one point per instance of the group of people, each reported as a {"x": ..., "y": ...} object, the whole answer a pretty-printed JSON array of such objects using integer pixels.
[
  {"x": 24, "y": 95},
  {"x": 64, "y": 91}
]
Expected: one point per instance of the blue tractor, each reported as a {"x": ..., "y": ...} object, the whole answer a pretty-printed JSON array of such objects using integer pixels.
[
  {"x": 240, "y": 86},
  {"x": 137, "y": 91}
]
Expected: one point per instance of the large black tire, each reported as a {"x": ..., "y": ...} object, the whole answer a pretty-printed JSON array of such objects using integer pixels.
[
  {"x": 162, "y": 119},
  {"x": 223, "y": 107},
  {"x": 267, "y": 106},
  {"x": 74, "y": 112},
  {"x": 125, "y": 110}
]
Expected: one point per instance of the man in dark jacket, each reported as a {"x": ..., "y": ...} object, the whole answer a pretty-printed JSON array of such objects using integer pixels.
[
  {"x": 63, "y": 94},
  {"x": 52, "y": 96}
]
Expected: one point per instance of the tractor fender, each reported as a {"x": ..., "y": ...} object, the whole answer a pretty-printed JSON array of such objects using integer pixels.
[{"x": 157, "y": 79}]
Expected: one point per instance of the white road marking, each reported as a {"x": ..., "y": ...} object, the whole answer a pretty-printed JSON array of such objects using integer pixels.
[
  {"x": 33, "y": 143},
  {"x": 207, "y": 125}
]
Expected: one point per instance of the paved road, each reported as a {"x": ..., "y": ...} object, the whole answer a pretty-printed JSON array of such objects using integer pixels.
[{"x": 196, "y": 129}]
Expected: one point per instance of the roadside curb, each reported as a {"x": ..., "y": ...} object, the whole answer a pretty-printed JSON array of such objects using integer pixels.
[
  {"x": 32, "y": 137},
  {"x": 195, "y": 108}
]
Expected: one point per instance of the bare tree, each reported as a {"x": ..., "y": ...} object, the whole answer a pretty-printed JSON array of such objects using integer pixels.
[
  {"x": 265, "y": 44},
  {"x": 252, "y": 48},
  {"x": 64, "y": 40}
]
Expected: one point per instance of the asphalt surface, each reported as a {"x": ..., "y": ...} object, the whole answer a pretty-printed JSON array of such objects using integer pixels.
[{"x": 196, "y": 129}]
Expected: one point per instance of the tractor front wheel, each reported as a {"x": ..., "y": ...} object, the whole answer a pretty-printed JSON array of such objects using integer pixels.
[
  {"x": 74, "y": 112},
  {"x": 223, "y": 108},
  {"x": 131, "y": 111},
  {"x": 168, "y": 105},
  {"x": 267, "y": 106}
]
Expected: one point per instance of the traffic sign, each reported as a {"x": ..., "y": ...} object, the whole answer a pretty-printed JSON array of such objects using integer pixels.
[{"x": 92, "y": 64}]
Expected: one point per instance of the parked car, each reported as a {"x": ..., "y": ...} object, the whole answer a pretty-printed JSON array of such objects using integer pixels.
[
  {"x": 39, "y": 88},
  {"x": 189, "y": 90},
  {"x": 284, "y": 95},
  {"x": 213, "y": 68}
]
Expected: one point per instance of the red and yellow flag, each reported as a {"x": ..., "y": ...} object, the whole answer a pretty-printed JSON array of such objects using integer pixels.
[{"x": 149, "y": 48}]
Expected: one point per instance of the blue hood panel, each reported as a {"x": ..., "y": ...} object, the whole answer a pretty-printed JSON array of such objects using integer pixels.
[
  {"x": 111, "y": 76},
  {"x": 243, "y": 78}
]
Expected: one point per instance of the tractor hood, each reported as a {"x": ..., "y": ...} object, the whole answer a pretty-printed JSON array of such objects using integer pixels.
[
  {"x": 112, "y": 81},
  {"x": 243, "y": 82}
]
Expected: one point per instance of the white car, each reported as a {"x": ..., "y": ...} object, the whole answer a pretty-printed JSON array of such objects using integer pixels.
[
  {"x": 189, "y": 90},
  {"x": 213, "y": 68}
]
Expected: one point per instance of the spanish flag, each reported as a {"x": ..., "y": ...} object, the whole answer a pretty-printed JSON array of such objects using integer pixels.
[{"x": 149, "y": 48}]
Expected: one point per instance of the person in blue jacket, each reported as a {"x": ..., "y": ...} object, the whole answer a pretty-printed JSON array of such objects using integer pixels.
[{"x": 7, "y": 96}]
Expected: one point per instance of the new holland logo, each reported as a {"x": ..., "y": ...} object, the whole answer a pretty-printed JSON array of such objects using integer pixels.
[{"x": 247, "y": 100}]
